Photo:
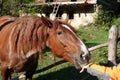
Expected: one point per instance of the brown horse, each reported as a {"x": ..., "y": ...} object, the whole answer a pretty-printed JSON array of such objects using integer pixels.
[{"x": 23, "y": 39}]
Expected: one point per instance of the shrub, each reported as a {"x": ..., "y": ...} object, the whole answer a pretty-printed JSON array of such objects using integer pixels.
[{"x": 104, "y": 19}]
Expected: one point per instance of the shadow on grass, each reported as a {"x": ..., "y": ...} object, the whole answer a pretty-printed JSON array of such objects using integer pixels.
[
  {"x": 91, "y": 44},
  {"x": 69, "y": 73}
]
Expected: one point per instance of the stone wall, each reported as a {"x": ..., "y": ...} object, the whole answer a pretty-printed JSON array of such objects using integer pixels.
[
  {"x": 82, "y": 19},
  {"x": 79, "y": 19},
  {"x": 77, "y": 14}
]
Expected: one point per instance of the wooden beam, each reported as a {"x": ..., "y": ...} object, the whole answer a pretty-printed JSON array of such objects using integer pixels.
[
  {"x": 53, "y": 3},
  {"x": 98, "y": 46}
]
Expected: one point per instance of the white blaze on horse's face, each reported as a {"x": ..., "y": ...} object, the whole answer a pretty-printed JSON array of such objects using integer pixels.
[
  {"x": 84, "y": 53},
  {"x": 84, "y": 48},
  {"x": 82, "y": 44}
]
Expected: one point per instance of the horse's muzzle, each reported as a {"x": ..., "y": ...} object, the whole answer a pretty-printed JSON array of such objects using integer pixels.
[{"x": 81, "y": 59}]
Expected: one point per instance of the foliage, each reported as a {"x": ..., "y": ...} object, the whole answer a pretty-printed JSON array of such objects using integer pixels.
[
  {"x": 104, "y": 19},
  {"x": 116, "y": 21},
  {"x": 32, "y": 9},
  {"x": 9, "y": 7},
  {"x": 28, "y": 10},
  {"x": 21, "y": 7},
  {"x": 12, "y": 7}
]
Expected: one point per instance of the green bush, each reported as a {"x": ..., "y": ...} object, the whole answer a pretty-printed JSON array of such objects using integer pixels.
[
  {"x": 116, "y": 21},
  {"x": 12, "y": 7},
  {"x": 104, "y": 19}
]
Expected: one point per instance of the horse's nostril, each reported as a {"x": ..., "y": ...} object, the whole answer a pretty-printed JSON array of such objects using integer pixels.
[{"x": 82, "y": 55}]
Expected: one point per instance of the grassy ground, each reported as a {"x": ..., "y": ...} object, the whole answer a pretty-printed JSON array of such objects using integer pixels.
[{"x": 91, "y": 37}]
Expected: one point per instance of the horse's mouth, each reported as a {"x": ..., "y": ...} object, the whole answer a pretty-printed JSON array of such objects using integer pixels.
[{"x": 80, "y": 62}]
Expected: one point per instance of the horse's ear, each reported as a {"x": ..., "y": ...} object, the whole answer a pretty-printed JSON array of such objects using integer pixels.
[{"x": 46, "y": 21}]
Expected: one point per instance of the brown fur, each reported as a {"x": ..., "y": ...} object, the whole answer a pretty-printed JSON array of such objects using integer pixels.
[
  {"x": 4, "y": 20},
  {"x": 24, "y": 39}
]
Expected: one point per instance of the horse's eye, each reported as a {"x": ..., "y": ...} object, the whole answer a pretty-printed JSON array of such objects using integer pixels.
[{"x": 59, "y": 32}]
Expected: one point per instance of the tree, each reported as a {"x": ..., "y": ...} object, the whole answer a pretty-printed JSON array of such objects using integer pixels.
[
  {"x": 1, "y": 6},
  {"x": 12, "y": 7}
]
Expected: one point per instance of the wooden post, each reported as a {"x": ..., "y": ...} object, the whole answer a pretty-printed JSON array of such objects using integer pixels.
[{"x": 112, "y": 45}]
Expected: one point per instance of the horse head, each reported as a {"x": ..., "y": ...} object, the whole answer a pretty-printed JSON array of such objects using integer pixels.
[{"x": 64, "y": 43}]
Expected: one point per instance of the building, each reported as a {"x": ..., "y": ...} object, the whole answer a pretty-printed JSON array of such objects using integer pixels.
[{"x": 76, "y": 12}]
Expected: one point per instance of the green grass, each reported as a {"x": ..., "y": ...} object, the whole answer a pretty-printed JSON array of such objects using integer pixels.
[
  {"x": 92, "y": 36},
  {"x": 65, "y": 71}
]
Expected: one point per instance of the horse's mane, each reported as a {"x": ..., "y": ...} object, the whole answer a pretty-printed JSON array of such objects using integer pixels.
[{"x": 29, "y": 33}]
